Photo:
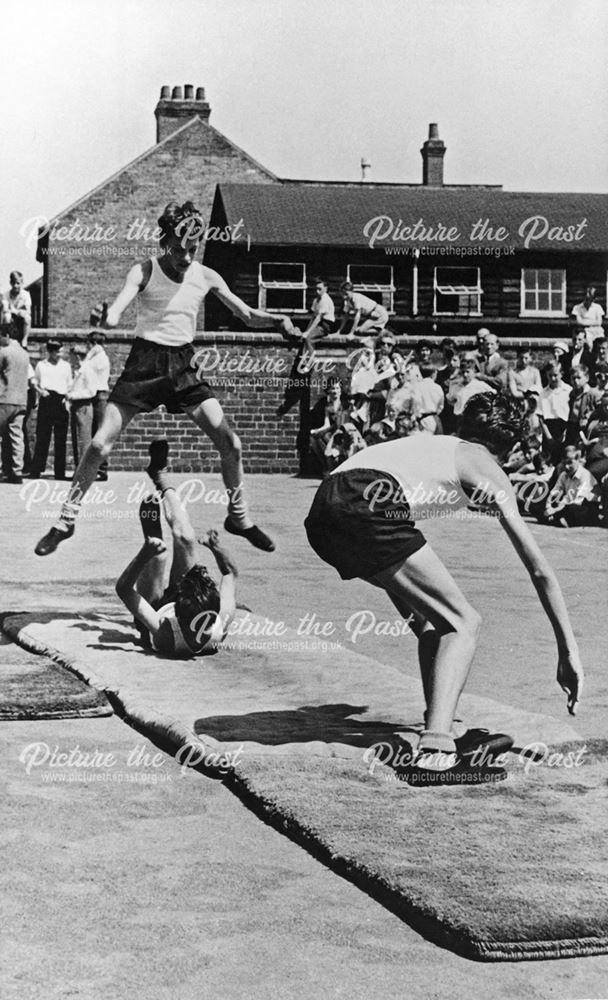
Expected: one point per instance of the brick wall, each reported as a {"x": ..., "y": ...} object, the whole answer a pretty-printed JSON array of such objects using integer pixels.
[
  {"x": 82, "y": 271},
  {"x": 249, "y": 400}
]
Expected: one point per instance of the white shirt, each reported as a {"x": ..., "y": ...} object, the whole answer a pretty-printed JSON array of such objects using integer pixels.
[
  {"x": 323, "y": 307},
  {"x": 84, "y": 385},
  {"x": 576, "y": 487},
  {"x": 553, "y": 404},
  {"x": 369, "y": 308},
  {"x": 591, "y": 318},
  {"x": 54, "y": 378},
  {"x": 100, "y": 362}
]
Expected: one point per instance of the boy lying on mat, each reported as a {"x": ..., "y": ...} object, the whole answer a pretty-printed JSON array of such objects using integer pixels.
[{"x": 189, "y": 616}]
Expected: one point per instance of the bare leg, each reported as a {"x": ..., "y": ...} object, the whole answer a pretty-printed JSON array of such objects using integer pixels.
[
  {"x": 424, "y": 585},
  {"x": 209, "y": 416},
  {"x": 115, "y": 419}
]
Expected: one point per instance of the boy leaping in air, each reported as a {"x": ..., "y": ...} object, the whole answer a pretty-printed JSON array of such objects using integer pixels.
[
  {"x": 169, "y": 290},
  {"x": 362, "y": 522}
]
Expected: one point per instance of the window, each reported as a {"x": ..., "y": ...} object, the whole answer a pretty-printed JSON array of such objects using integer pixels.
[
  {"x": 375, "y": 281},
  {"x": 457, "y": 291},
  {"x": 282, "y": 287},
  {"x": 543, "y": 292}
]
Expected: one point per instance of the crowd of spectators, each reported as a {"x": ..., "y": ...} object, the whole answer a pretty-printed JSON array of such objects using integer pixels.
[
  {"x": 66, "y": 395},
  {"x": 559, "y": 469}
]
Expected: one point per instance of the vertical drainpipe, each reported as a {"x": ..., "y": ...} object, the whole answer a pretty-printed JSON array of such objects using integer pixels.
[{"x": 415, "y": 256}]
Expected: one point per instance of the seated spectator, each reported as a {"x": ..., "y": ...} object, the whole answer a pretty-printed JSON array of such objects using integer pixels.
[
  {"x": 335, "y": 414},
  {"x": 362, "y": 317},
  {"x": 323, "y": 318},
  {"x": 471, "y": 386},
  {"x": 344, "y": 442},
  {"x": 524, "y": 376},
  {"x": 533, "y": 479},
  {"x": 406, "y": 425},
  {"x": 595, "y": 441},
  {"x": 532, "y": 418},
  {"x": 383, "y": 430},
  {"x": 553, "y": 409},
  {"x": 573, "y": 501},
  {"x": 582, "y": 403},
  {"x": 19, "y": 305}
]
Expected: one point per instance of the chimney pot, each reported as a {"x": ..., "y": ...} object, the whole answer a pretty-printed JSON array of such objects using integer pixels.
[
  {"x": 433, "y": 130},
  {"x": 177, "y": 105}
]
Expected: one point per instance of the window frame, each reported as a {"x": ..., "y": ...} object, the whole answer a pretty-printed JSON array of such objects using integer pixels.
[
  {"x": 264, "y": 285},
  {"x": 464, "y": 289},
  {"x": 542, "y": 313}
]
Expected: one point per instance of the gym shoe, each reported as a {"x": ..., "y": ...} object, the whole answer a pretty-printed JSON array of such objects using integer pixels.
[
  {"x": 159, "y": 454},
  {"x": 149, "y": 517},
  {"x": 51, "y": 540},
  {"x": 253, "y": 535},
  {"x": 482, "y": 741}
]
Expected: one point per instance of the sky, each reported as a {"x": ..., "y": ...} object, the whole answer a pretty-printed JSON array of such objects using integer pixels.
[{"x": 519, "y": 89}]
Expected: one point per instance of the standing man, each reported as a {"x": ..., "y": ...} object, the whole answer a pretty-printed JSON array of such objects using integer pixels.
[
  {"x": 588, "y": 316},
  {"x": 162, "y": 370},
  {"x": 19, "y": 306},
  {"x": 100, "y": 363},
  {"x": 53, "y": 382},
  {"x": 493, "y": 367},
  {"x": 14, "y": 379},
  {"x": 80, "y": 402},
  {"x": 363, "y": 316}
]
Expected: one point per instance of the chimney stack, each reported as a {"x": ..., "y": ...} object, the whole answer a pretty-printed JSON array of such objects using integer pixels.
[
  {"x": 178, "y": 105},
  {"x": 433, "y": 152}
]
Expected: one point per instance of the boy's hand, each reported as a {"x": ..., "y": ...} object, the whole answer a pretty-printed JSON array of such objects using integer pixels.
[
  {"x": 154, "y": 547},
  {"x": 570, "y": 678},
  {"x": 210, "y": 539}
]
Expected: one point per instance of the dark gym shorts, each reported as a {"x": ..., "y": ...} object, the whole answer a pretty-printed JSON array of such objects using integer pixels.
[
  {"x": 355, "y": 536},
  {"x": 155, "y": 375}
]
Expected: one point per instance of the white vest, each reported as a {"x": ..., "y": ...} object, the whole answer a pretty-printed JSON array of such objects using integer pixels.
[
  {"x": 167, "y": 310},
  {"x": 424, "y": 465}
]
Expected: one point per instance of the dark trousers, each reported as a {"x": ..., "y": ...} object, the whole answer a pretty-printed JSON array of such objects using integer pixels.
[
  {"x": 100, "y": 402},
  {"x": 53, "y": 419}
]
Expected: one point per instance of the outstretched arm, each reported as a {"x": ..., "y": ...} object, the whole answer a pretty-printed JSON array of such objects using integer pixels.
[
  {"x": 479, "y": 470},
  {"x": 134, "y": 282},
  {"x": 227, "y": 568}
]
